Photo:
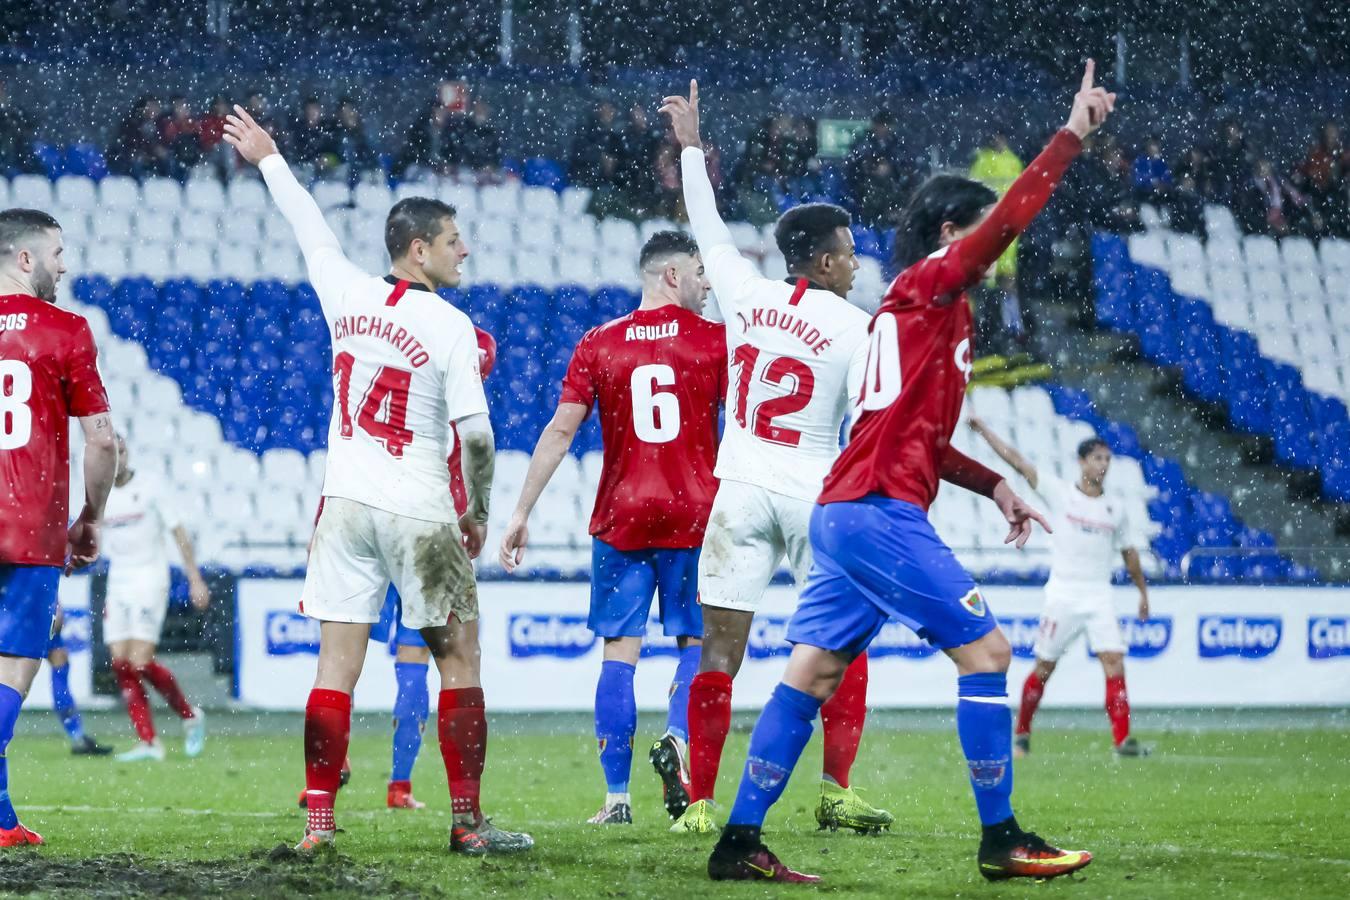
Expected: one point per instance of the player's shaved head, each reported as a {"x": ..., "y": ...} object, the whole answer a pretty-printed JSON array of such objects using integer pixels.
[
  {"x": 414, "y": 218},
  {"x": 672, "y": 268},
  {"x": 30, "y": 251},
  {"x": 662, "y": 245},
  {"x": 804, "y": 232}
]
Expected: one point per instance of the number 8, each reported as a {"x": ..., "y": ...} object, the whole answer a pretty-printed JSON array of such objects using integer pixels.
[{"x": 16, "y": 419}]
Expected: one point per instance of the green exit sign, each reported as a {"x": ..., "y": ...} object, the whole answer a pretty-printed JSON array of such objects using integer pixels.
[{"x": 834, "y": 137}]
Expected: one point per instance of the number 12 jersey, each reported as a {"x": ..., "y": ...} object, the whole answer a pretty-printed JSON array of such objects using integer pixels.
[{"x": 658, "y": 376}]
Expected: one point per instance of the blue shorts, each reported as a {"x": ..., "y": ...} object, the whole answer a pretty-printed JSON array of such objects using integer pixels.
[
  {"x": 27, "y": 609},
  {"x": 624, "y": 581},
  {"x": 390, "y": 630},
  {"x": 878, "y": 558}
]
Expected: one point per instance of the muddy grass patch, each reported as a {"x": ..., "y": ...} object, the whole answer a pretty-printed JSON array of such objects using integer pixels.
[{"x": 279, "y": 872}]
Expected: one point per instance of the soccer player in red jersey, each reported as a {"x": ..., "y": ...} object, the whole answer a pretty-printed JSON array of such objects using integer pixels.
[
  {"x": 877, "y": 556},
  {"x": 659, "y": 375},
  {"x": 48, "y": 373}
]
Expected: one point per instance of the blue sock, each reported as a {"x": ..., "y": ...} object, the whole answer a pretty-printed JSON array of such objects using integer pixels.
[
  {"x": 9, "y": 714},
  {"x": 615, "y": 723},
  {"x": 63, "y": 701},
  {"x": 984, "y": 724},
  {"x": 677, "y": 719},
  {"x": 411, "y": 708},
  {"x": 777, "y": 742}
]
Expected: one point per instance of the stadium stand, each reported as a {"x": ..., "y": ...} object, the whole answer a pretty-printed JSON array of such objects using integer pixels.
[{"x": 1260, "y": 328}]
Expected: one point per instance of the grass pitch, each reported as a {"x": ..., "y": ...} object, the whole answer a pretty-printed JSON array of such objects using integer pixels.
[{"x": 1233, "y": 806}]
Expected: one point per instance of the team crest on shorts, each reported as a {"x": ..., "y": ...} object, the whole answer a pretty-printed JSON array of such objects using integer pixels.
[{"x": 974, "y": 602}]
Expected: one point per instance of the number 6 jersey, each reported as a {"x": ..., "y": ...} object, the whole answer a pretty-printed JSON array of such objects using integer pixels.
[
  {"x": 659, "y": 376},
  {"x": 405, "y": 365}
]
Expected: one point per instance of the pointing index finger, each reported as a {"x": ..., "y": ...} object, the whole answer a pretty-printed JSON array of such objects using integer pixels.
[
  {"x": 693, "y": 91},
  {"x": 1089, "y": 71}
]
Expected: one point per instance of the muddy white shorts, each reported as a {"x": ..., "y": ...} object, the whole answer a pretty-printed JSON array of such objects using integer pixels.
[
  {"x": 1070, "y": 612},
  {"x": 135, "y": 606},
  {"x": 750, "y": 531},
  {"x": 358, "y": 551}
]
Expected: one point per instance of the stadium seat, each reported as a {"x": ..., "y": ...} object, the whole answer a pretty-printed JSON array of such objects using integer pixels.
[
  {"x": 119, "y": 192},
  {"x": 539, "y": 204},
  {"x": 204, "y": 195},
  {"x": 246, "y": 192},
  {"x": 492, "y": 235},
  {"x": 372, "y": 196},
  {"x": 31, "y": 191},
  {"x": 194, "y": 261},
  {"x": 162, "y": 193},
  {"x": 574, "y": 202},
  {"x": 77, "y": 192},
  {"x": 155, "y": 226},
  {"x": 329, "y": 194},
  {"x": 148, "y": 261},
  {"x": 538, "y": 235}
]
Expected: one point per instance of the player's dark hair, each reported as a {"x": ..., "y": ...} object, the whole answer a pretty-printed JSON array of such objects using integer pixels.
[
  {"x": 804, "y": 232},
  {"x": 664, "y": 243},
  {"x": 17, "y": 225},
  {"x": 413, "y": 218},
  {"x": 942, "y": 198},
  {"x": 1087, "y": 445}
]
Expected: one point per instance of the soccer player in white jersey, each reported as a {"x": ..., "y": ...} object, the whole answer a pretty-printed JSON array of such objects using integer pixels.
[
  {"x": 405, "y": 366},
  {"x": 1091, "y": 527},
  {"x": 796, "y": 350},
  {"x": 136, "y": 528}
]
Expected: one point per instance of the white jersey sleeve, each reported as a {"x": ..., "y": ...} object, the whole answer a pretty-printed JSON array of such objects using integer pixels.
[
  {"x": 732, "y": 276},
  {"x": 464, "y": 395},
  {"x": 330, "y": 272},
  {"x": 1129, "y": 535},
  {"x": 1053, "y": 491}
]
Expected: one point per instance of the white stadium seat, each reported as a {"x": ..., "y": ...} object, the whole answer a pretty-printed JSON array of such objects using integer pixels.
[
  {"x": 246, "y": 192},
  {"x": 574, "y": 202},
  {"x": 537, "y": 235},
  {"x": 1261, "y": 252},
  {"x": 162, "y": 193},
  {"x": 376, "y": 197},
  {"x": 31, "y": 192},
  {"x": 425, "y": 188},
  {"x": 204, "y": 194},
  {"x": 76, "y": 191},
  {"x": 149, "y": 261},
  {"x": 329, "y": 194},
  {"x": 540, "y": 204},
  {"x": 194, "y": 261},
  {"x": 154, "y": 226},
  {"x": 492, "y": 235},
  {"x": 119, "y": 192}
]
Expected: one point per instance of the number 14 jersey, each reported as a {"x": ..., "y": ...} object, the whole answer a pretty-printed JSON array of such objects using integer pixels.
[{"x": 658, "y": 376}]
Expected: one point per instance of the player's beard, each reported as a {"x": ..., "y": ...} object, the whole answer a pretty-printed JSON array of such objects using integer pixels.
[{"x": 44, "y": 283}]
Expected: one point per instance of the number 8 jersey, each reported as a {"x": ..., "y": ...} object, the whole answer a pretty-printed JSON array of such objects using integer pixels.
[{"x": 658, "y": 376}]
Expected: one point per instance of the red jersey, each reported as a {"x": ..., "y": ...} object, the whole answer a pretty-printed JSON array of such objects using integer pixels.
[
  {"x": 48, "y": 373},
  {"x": 660, "y": 376},
  {"x": 487, "y": 358},
  {"x": 921, "y": 353}
]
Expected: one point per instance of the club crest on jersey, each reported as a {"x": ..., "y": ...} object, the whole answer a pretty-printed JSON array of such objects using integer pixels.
[
  {"x": 974, "y": 602},
  {"x": 651, "y": 332},
  {"x": 962, "y": 358}
]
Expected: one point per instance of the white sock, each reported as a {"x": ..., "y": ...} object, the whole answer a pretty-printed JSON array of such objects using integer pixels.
[{"x": 612, "y": 799}]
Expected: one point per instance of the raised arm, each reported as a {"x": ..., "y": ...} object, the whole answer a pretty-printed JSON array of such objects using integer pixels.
[
  {"x": 548, "y": 453},
  {"x": 726, "y": 268},
  {"x": 1005, "y": 452},
  {"x": 328, "y": 268}
]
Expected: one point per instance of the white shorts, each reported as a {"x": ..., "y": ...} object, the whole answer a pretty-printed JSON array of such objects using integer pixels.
[
  {"x": 1069, "y": 613},
  {"x": 359, "y": 550},
  {"x": 135, "y": 608},
  {"x": 750, "y": 530}
]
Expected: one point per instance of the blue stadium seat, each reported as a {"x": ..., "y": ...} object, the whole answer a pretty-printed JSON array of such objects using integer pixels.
[
  {"x": 50, "y": 157},
  {"x": 86, "y": 159},
  {"x": 542, "y": 172}
]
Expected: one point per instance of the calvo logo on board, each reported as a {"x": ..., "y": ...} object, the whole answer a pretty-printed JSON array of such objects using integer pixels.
[
  {"x": 289, "y": 633},
  {"x": 549, "y": 634},
  {"x": 1328, "y": 636},
  {"x": 1146, "y": 639},
  {"x": 1246, "y": 637}
]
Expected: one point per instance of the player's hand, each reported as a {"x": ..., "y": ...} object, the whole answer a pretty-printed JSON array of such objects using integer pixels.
[
  {"x": 1143, "y": 606},
  {"x": 683, "y": 114},
  {"x": 512, "y": 552},
  {"x": 248, "y": 137},
  {"x": 1019, "y": 514},
  {"x": 199, "y": 593},
  {"x": 1091, "y": 105},
  {"x": 81, "y": 545},
  {"x": 475, "y": 535}
]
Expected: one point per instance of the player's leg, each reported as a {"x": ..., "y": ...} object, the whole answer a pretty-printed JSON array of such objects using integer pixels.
[
  {"x": 725, "y": 635},
  {"x": 1105, "y": 639},
  {"x": 412, "y": 705},
  {"x": 1061, "y": 623},
  {"x": 1032, "y": 691},
  {"x": 27, "y": 611},
  {"x": 161, "y": 678},
  {"x": 126, "y": 670},
  {"x": 681, "y": 616},
  {"x": 63, "y": 701},
  {"x": 622, "y": 586}
]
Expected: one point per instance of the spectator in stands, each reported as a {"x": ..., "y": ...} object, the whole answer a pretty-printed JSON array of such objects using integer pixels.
[
  {"x": 423, "y": 152},
  {"x": 639, "y": 146},
  {"x": 594, "y": 154},
  {"x": 313, "y": 144},
  {"x": 356, "y": 156},
  {"x": 1195, "y": 165},
  {"x": 1230, "y": 164},
  {"x": 756, "y": 177},
  {"x": 1270, "y": 204},
  {"x": 878, "y": 142},
  {"x": 260, "y": 109},
  {"x": 180, "y": 132},
  {"x": 138, "y": 150},
  {"x": 473, "y": 145},
  {"x": 16, "y": 136},
  {"x": 996, "y": 165},
  {"x": 798, "y": 167},
  {"x": 1324, "y": 176},
  {"x": 1000, "y": 323},
  {"x": 1152, "y": 178},
  {"x": 1186, "y": 207},
  {"x": 881, "y": 196},
  {"x": 215, "y": 151}
]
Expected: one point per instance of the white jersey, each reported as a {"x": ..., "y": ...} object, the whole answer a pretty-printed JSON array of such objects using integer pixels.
[
  {"x": 136, "y": 527},
  {"x": 1089, "y": 535},
  {"x": 796, "y": 354},
  {"x": 405, "y": 365}
]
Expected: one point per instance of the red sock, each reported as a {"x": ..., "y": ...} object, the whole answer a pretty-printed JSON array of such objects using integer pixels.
[
  {"x": 1118, "y": 708},
  {"x": 462, "y": 726},
  {"x": 709, "y": 722},
  {"x": 328, "y": 728},
  {"x": 162, "y": 680},
  {"x": 133, "y": 692},
  {"x": 841, "y": 720},
  {"x": 1032, "y": 689}
]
